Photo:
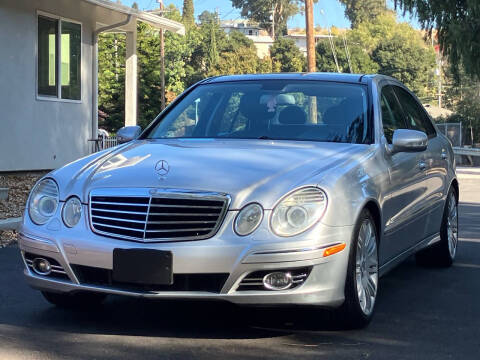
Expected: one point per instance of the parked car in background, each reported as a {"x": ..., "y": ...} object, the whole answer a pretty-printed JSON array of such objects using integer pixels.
[{"x": 286, "y": 189}]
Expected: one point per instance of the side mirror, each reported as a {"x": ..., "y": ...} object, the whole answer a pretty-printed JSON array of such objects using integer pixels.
[
  {"x": 128, "y": 133},
  {"x": 405, "y": 140}
]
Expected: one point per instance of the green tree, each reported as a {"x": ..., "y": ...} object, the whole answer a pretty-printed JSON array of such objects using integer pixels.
[
  {"x": 149, "y": 71},
  {"x": 172, "y": 13},
  {"x": 462, "y": 95},
  {"x": 208, "y": 17},
  {"x": 236, "y": 39},
  {"x": 261, "y": 11},
  {"x": 111, "y": 80},
  {"x": 458, "y": 27},
  {"x": 242, "y": 60},
  {"x": 286, "y": 56},
  {"x": 385, "y": 46},
  {"x": 360, "y": 60},
  {"x": 188, "y": 13},
  {"x": 409, "y": 61},
  {"x": 468, "y": 109},
  {"x": 358, "y": 11}
]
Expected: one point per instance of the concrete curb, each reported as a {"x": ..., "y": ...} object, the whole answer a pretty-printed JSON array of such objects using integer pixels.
[{"x": 10, "y": 224}]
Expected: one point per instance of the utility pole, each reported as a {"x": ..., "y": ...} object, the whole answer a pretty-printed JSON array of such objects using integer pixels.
[
  {"x": 439, "y": 74},
  {"x": 312, "y": 101},
  {"x": 310, "y": 36},
  {"x": 273, "y": 22},
  {"x": 162, "y": 60}
]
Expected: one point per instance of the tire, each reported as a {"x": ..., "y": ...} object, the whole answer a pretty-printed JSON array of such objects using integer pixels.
[
  {"x": 361, "y": 283},
  {"x": 78, "y": 300},
  {"x": 443, "y": 252}
]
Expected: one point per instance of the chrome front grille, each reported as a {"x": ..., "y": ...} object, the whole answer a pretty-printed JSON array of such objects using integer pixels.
[{"x": 156, "y": 215}]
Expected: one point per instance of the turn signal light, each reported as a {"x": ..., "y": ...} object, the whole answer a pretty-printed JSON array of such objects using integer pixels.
[{"x": 334, "y": 249}]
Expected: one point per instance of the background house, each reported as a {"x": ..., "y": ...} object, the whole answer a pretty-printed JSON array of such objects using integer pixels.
[
  {"x": 48, "y": 73},
  {"x": 301, "y": 40},
  {"x": 261, "y": 39}
]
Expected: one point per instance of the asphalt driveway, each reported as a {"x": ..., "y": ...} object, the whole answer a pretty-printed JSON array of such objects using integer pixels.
[{"x": 422, "y": 313}]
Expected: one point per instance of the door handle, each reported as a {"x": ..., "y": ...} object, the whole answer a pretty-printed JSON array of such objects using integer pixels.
[{"x": 422, "y": 165}]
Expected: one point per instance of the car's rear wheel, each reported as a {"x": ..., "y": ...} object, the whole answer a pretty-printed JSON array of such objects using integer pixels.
[
  {"x": 362, "y": 276},
  {"x": 443, "y": 253},
  {"x": 80, "y": 300}
]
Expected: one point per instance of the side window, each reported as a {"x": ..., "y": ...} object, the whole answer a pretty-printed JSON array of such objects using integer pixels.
[
  {"x": 392, "y": 114},
  {"x": 416, "y": 117}
]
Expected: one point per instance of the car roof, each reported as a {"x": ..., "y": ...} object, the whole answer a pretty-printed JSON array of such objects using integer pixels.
[{"x": 337, "y": 77}]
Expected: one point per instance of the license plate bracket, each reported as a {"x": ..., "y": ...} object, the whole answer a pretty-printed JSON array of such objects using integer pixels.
[{"x": 143, "y": 266}]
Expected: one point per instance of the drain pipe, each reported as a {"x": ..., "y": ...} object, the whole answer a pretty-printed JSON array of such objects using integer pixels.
[{"x": 95, "y": 71}]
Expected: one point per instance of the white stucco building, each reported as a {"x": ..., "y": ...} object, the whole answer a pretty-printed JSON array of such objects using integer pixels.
[
  {"x": 48, "y": 76},
  {"x": 244, "y": 26},
  {"x": 260, "y": 37},
  {"x": 262, "y": 44},
  {"x": 301, "y": 40}
]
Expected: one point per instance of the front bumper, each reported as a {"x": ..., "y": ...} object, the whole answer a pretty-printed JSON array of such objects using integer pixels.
[{"x": 224, "y": 253}]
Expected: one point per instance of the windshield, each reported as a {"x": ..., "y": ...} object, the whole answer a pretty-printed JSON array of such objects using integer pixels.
[{"x": 269, "y": 109}]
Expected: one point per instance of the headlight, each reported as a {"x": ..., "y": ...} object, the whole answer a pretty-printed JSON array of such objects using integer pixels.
[
  {"x": 72, "y": 211},
  {"x": 43, "y": 201},
  {"x": 298, "y": 211},
  {"x": 248, "y": 219}
]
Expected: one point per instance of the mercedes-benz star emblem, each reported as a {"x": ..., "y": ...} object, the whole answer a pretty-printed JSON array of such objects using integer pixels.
[{"x": 162, "y": 168}]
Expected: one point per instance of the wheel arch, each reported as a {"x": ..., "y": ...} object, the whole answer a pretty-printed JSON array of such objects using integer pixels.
[
  {"x": 373, "y": 207},
  {"x": 454, "y": 184}
]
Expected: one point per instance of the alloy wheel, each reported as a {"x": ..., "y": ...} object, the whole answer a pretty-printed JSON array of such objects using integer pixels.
[
  {"x": 367, "y": 267},
  {"x": 452, "y": 225}
]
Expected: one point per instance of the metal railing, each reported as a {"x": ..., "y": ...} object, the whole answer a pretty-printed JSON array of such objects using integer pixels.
[
  {"x": 466, "y": 151},
  {"x": 108, "y": 142}
]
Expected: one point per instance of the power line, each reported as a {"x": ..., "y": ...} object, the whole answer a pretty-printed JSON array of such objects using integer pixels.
[
  {"x": 330, "y": 39},
  {"x": 347, "y": 52},
  {"x": 228, "y": 13}
]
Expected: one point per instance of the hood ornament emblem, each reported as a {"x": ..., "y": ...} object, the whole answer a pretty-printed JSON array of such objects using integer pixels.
[{"x": 162, "y": 168}]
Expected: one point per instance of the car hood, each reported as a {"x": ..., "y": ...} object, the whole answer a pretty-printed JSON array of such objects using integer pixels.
[{"x": 247, "y": 170}]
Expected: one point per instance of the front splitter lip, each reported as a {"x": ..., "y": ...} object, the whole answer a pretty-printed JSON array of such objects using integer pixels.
[{"x": 297, "y": 297}]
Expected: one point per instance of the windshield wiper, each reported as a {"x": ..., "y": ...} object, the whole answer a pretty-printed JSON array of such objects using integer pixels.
[{"x": 265, "y": 137}]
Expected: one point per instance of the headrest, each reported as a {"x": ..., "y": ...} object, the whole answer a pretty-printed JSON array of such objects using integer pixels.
[
  {"x": 292, "y": 115},
  {"x": 343, "y": 113},
  {"x": 252, "y": 109}
]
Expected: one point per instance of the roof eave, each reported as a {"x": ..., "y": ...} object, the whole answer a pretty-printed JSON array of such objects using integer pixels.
[{"x": 151, "y": 19}]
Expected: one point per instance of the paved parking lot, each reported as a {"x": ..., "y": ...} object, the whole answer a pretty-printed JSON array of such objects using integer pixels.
[{"x": 422, "y": 313}]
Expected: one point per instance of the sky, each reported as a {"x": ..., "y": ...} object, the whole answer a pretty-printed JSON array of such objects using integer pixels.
[{"x": 333, "y": 11}]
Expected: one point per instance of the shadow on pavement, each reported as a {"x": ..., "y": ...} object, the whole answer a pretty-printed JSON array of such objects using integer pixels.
[{"x": 431, "y": 310}]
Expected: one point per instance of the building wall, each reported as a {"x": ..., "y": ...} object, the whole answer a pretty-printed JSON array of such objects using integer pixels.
[{"x": 41, "y": 134}]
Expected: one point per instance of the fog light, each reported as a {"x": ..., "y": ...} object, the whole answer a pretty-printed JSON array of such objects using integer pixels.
[
  {"x": 41, "y": 266},
  {"x": 278, "y": 280}
]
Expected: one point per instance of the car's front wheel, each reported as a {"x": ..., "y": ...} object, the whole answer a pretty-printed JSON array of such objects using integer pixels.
[
  {"x": 80, "y": 300},
  {"x": 362, "y": 276}
]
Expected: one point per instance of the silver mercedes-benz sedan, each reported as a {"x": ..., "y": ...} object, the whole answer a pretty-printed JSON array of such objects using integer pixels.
[{"x": 285, "y": 189}]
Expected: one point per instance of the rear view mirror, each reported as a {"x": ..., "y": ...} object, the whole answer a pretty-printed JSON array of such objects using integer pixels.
[
  {"x": 405, "y": 140},
  {"x": 128, "y": 133}
]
